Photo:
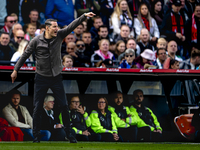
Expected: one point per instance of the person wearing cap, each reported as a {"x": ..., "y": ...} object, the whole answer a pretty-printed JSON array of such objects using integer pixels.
[
  {"x": 107, "y": 63},
  {"x": 56, "y": 130},
  {"x": 147, "y": 115},
  {"x": 18, "y": 116},
  {"x": 128, "y": 62},
  {"x": 145, "y": 58}
]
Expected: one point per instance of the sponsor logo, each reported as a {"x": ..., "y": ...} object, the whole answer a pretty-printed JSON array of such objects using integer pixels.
[
  {"x": 112, "y": 70},
  {"x": 26, "y": 68},
  {"x": 146, "y": 70},
  {"x": 71, "y": 69},
  {"x": 183, "y": 71}
]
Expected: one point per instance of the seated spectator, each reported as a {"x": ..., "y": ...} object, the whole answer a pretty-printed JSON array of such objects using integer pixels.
[
  {"x": 80, "y": 122},
  {"x": 54, "y": 129},
  {"x": 102, "y": 34},
  {"x": 124, "y": 34},
  {"x": 9, "y": 21},
  {"x": 22, "y": 46},
  {"x": 78, "y": 31},
  {"x": 145, "y": 57},
  {"x": 84, "y": 25},
  {"x": 67, "y": 61},
  {"x": 107, "y": 63},
  {"x": 161, "y": 43},
  {"x": 192, "y": 62},
  {"x": 15, "y": 41},
  {"x": 67, "y": 39},
  {"x": 120, "y": 16},
  {"x": 6, "y": 51},
  {"x": 184, "y": 11},
  {"x": 34, "y": 15},
  {"x": 97, "y": 23},
  {"x": 120, "y": 48},
  {"x": 103, "y": 52},
  {"x": 172, "y": 48},
  {"x": 14, "y": 29},
  {"x": 40, "y": 30},
  {"x": 85, "y": 6},
  {"x": 161, "y": 57},
  {"x": 87, "y": 39},
  {"x": 15, "y": 16},
  {"x": 193, "y": 26},
  {"x": 157, "y": 12},
  {"x": 144, "y": 41},
  {"x": 144, "y": 20},
  {"x": 108, "y": 124},
  {"x": 123, "y": 112},
  {"x": 112, "y": 46},
  {"x": 71, "y": 49},
  {"x": 128, "y": 62},
  {"x": 62, "y": 11},
  {"x": 146, "y": 115},
  {"x": 18, "y": 116},
  {"x": 30, "y": 32},
  {"x": 171, "y": 64}
]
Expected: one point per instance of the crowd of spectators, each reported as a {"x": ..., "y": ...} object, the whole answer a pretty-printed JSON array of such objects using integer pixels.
[{"x": 129, "y": 33}]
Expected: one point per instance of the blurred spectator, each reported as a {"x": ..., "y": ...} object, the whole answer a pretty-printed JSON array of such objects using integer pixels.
[
  {"x": 161, "y": 57},
  {"x": 102, "y": 34},
  {"x": 84, "y": 6},
  {"x": 62, "y": 11},
  {"x": 84, "y": 25},
  {"x": 120, "y": 48},
  {"x": 22, "y": 46},
  {"x": 172, "y": 49},
  {"x": 107, "y": 63},
  {"x": 124, "y": 34},
  {"x": 193, "y": 29},
  {"x": 18, "y": 37},
  {"x": 171, "y": 63},
  {"x": 112, "y": 46},
  {"x": 192, "y": 62},
  {"x": 34, "y": 16},
  {"x": 87, "y": 39},
  {"x": 30, "y": 32},
  {"x": 97, "y": 23},
  {"x": 157, "y": 12},
  {"x": 9, "y": 21},
  {"x": 3, "y": 12},
  {"x": 68, "y": 38},
  {"x": 121, "y": 16},
  {"x": 78, "y": 32},
  {"x": 15, "y": 27},
  {"x": 184, "y": 11},
  {"x": 67, "y": 61},
  {"x": 144, "y": 20},
  {"x": 103, "y": 52},
  {"x": 15, "y": 16},
  {"x": 71, "y": 49},
  {"x": 128, "y": 62},
  {"x": 190, "y": 5},
  {"x": 161, "y": 43},
  {"x": 6, "y": 51},
  {"x": 144, "y": 39},
  {"x": 40, "y": 30},
  {"x": 146, "y": 57}
]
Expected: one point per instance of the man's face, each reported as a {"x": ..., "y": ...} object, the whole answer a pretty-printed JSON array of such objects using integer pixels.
[
  {"x": 86, "y": 37},
  {"x": 131, "y": 44},
  {"x": 70, "y": 38},
  {"x": 53, "y": 29},
  {"x": 68, "y": 62},
  {"x": 138, "y": 98},
  {"x": 5, "y": 39},
  {"x": 75, "y": 103},
  {"x": 79, "y": 30},
  {"x": 31, "y": 30},
  {"x": 144, "y": 36},
  {"x": 103, "y": 33},
  {"x": 10, "y": 21},
  {"x": 33, "y": 16},
  {"x": 119, "y": 99},
  {"x": 16, "y": 28},
  {"x": 162, "y": 55},
  {"x": 70, "y": 48},
  {"x": 172, "y": 47},
  {"x": 161, "y": 45},
  {"x": 197, "y": 11},
  {"x": 80, "y": 45},
  {"x": 15, "y": 99},
  {"x": 125, "y": 31},
  {"x": 49, "y": 105},
  {"x": 176, "y": 9},
  {"x": 97, "y": 23},
  {"x": 19, "y": 36}
]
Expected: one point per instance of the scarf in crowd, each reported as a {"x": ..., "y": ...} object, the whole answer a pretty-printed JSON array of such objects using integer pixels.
[
  {"x": 5, "y": 29},
  {"x": 194, "y": 30},
  {"x": 124, "y": 19},
  {"x": 174, "y": 24},
  {"x": 146, "y": 23}
]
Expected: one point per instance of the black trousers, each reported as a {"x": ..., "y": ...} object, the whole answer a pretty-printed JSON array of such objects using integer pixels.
[
  {"x": 42, "y": 84},
  {"x": 128, "y": 134}
]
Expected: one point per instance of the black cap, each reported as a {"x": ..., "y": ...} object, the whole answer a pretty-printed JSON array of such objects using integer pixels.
[
  {"x": 176, "y": 2},
  {"x": 108, "y": 63}
]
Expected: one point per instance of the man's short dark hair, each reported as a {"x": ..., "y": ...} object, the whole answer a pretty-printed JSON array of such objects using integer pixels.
[
  {"x": 137, "y": 91},
  {"x": 131, "y": 39},
  {"x": 86, "y": 32},
  {"x": 195, "y": 53},
  {"x": 34, "y": 10},
  {"x": 48, "y": 22},
  {"x": 160, "y": 50},
  {"x": 4, "y": 33},
  {"x": 14, "y": 91},
  {"x": 42, "y": 26},
  {"x": 5, "y": 19},
  {"x": 102, "y": 26}
]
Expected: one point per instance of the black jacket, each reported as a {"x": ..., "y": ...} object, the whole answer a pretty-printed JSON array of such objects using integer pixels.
[
  {"x": 105, "y": 120},
  {"x": 77, "y": 120}
]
